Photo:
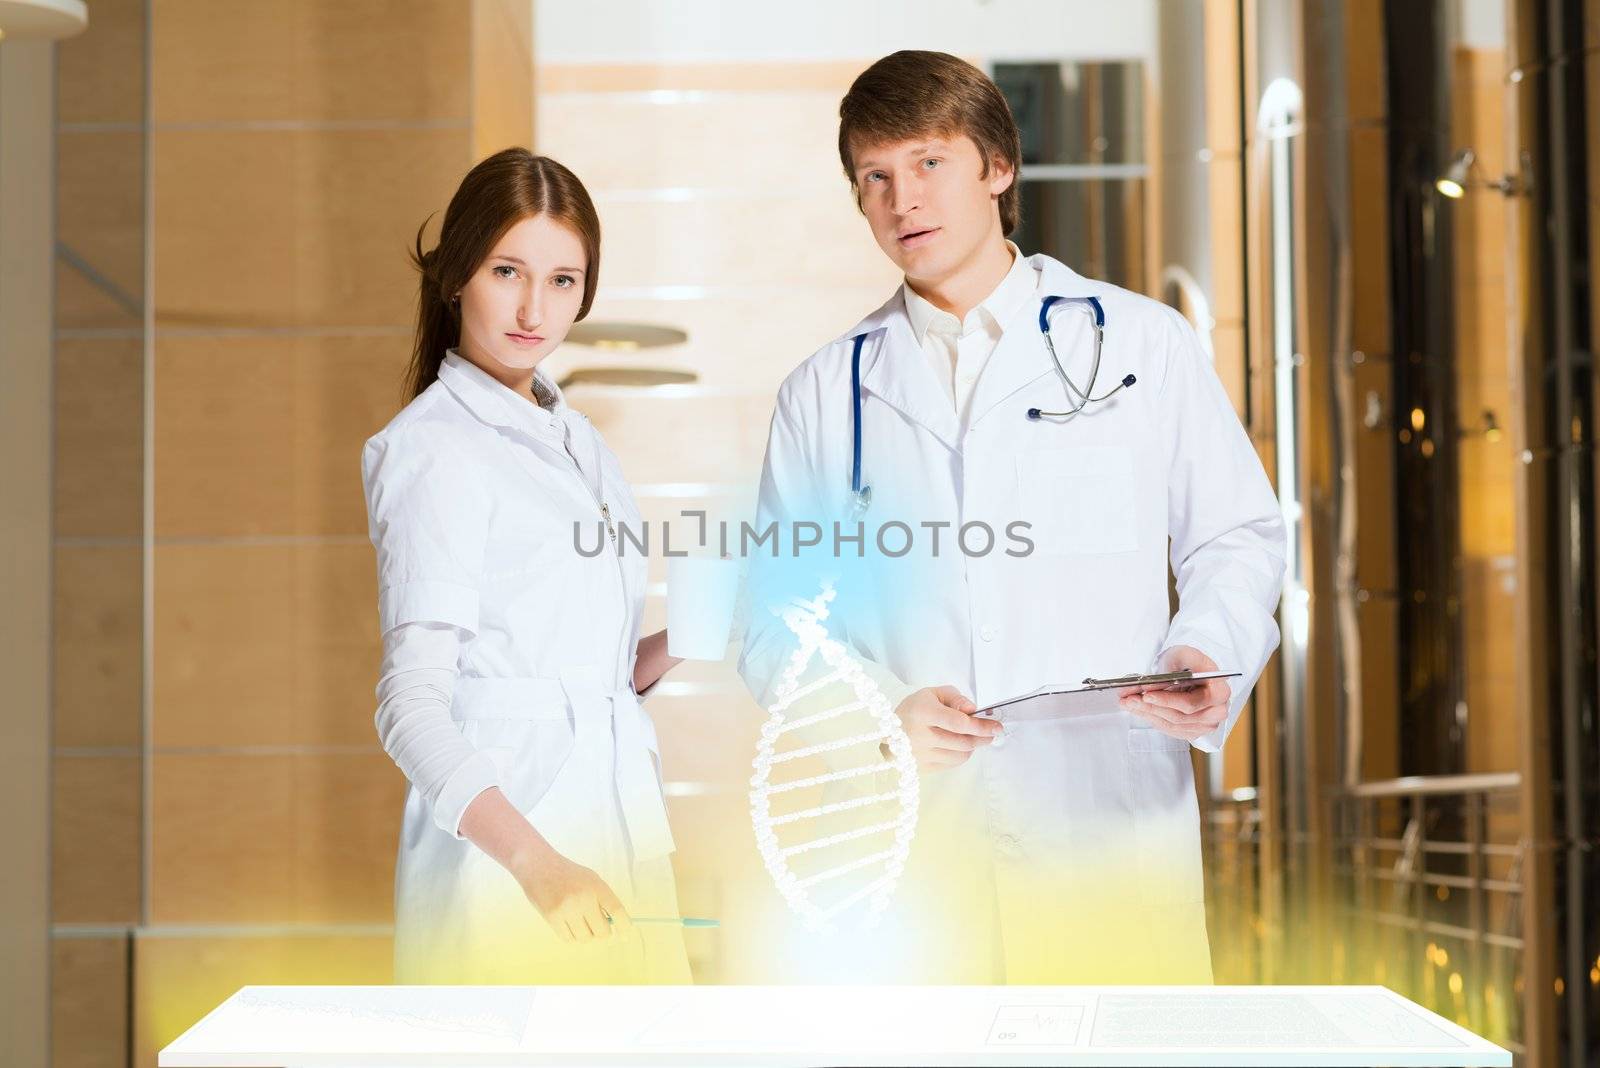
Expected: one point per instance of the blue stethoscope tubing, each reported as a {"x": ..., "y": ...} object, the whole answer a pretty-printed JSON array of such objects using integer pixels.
[
  {"x": 861, "y": 499},
  {"x": 1078, "y": 399}
]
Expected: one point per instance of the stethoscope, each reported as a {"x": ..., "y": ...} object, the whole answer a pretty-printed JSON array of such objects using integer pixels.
[{"x": 1077, "y": 399}]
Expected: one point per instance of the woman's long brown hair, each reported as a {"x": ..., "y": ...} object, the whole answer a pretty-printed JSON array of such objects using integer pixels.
[{"x": 498, "y": 193}]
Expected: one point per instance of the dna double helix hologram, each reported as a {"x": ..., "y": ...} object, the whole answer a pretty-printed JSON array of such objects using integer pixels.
[{"x": 830, "y": 858}]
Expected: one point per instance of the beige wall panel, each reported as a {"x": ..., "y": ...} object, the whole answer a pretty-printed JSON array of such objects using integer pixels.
[
  {"x": 714, "y": 837},
  {"x": 89, "y": 1003},
  {"x": 360, "y": 198},
  {"x": 279, "y": 838},
  {"x": 1369, "y": 236},
  {"x": 1374, "y": 464},
  {"x": 100, "y": 218},
  {"x": 707, "y": 738},
  {"x": 1366, "y": 81},
  {"x": 832, "y": 77},
  {"x": 272, "y": 228},
  {"x": 1221, "y": 48},
  {"x": 308, "y": 60},
  {"x": 1488, "y": 515},
  {"x": 1227, "y": 345},
  {"x": 179, "y": 980},
  {"x": 1492, "y": 735},
  {"x": 224, "y": 645},
  {"x": 223, "y": 425},
  {"x": 1379, "y": 630},
  {"x": 212, "y": 62},
  {"x": 1226, "y": 209},
  {"x": 100, "y": 72},
  {"x": 346, "y": 829},
  {"x": 222, "y": 830},
  {"x": 99, "y": 437},
  {"x": 346, "y": 389},
  {"x": 783, "y": 240},
  {"x": 678, "y": 439},
  {"x": 735, "y": 340},
  {"x": 336, "y": 645},
  {"x": 224, "y": 226},
  {"x": 94, "y": 862},
  {"x": 81, "y": 305},
  {"x": 265, "y": 644},
  {"x": 98, "y": 648},
  {"x": 787, "y": 141},
  {"x": 263, "y": 435},
  {"x": 502, "y": 75}
]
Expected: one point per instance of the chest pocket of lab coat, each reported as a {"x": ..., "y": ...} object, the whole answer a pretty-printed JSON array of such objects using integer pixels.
[{"x": 1080, "y": 500}]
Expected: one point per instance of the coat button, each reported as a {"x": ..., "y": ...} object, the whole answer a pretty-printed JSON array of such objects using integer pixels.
[
  {"x": 1008, "y": 842},
  {"x": 989, "y": 633}
]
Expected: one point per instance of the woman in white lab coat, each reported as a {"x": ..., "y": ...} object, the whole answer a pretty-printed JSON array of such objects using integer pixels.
[{"x": 535, "y": 825}]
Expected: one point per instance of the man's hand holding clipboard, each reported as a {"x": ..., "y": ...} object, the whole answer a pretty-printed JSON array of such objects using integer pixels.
[
  {"x": 1187, "y": 699},
  {"x": 1188, "y": 713}
]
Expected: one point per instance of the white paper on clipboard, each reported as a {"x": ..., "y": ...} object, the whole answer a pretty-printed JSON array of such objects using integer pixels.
[{"x": 1050, "y": 703}]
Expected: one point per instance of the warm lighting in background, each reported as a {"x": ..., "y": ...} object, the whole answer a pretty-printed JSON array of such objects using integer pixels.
[
  {"x": 624, "y": 337},
  {"x": 635, "y": 377},
  {"x": 42, "y": 20},
  {"x": 1455, "y": 982},
  {"x": 1453, "y": 182},
  {"x": 1456, "y": 179},
  {"x": 1419, "y": 419}
]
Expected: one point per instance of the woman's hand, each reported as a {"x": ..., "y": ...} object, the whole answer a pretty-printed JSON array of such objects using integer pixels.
[{"x": 573, "y": 900}]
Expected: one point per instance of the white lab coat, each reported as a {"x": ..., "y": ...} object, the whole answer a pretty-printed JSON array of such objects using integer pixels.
[
  {"x": 1071, "y": 851},
  {"x": 473, "y": 494}
]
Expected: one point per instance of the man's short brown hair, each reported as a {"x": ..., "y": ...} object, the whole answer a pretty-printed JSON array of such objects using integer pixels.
[{"x": 920, "y": 94}]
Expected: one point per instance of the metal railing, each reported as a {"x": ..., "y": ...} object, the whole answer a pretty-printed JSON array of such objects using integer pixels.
[
  {"x": 1428, "y": 873},
  {"x": 1423, "y": 893}
]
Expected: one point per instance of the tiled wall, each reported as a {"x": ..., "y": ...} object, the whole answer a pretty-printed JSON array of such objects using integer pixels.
[
  {"x": 97, "y": 782},
  {"x": 217, "y": 773}
]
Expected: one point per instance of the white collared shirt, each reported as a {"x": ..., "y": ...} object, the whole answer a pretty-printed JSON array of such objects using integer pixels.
[{"x": 957, "y": 351}]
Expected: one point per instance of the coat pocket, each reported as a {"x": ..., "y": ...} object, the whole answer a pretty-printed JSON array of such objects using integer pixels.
[{"x": 1080, "y": 501}]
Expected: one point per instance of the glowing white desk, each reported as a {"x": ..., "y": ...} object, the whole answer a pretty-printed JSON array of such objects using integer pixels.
[{"x": 627, "y": 1027}]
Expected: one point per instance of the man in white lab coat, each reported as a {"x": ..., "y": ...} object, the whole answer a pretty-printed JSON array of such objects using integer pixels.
[{"x": 1071, "y": 851}]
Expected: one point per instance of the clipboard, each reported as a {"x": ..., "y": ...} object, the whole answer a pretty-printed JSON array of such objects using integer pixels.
[{"x": 1095, "y": 697}]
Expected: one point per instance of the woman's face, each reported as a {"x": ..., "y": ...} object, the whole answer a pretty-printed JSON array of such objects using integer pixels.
[{"x": 520, "y": 303}]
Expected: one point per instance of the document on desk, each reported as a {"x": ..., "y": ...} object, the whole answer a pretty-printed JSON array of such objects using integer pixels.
[{"x": 1095, "y": 697}]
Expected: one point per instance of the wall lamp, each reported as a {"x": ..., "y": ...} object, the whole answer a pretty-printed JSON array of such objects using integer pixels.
[{"x": 1458, "y": 178}]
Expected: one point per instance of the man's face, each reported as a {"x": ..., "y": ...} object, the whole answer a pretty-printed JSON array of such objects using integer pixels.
[{"x": 929, "y": 205}]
